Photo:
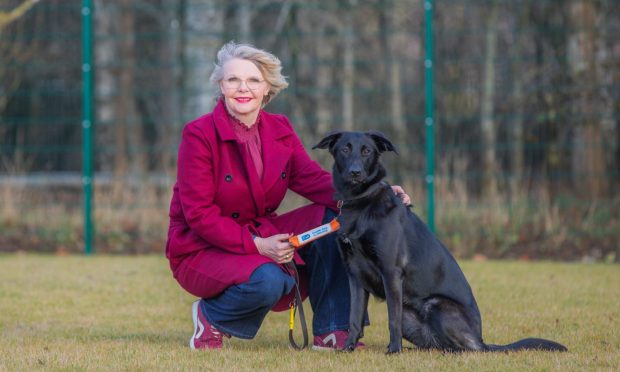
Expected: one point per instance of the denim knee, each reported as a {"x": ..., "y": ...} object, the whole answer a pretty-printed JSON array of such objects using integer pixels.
[
  {"x": 329, "y": 215},
  {"x": 268, "y": 284}
]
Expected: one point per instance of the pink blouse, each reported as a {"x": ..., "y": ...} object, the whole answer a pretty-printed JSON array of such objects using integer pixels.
[{"x": 251, "y": 138}]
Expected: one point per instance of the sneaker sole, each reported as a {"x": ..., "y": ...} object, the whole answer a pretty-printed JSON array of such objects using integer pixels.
[
  {"x": 195, "y": 319},
  {"x": 360, "y": 346},
  {"x": 323, "y": 348}
]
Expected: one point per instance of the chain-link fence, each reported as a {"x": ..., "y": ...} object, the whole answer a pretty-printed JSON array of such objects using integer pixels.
[{"x": 526, "y": 124}]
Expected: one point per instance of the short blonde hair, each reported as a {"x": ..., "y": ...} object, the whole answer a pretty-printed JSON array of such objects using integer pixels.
[{"x": 268, "y": 64}]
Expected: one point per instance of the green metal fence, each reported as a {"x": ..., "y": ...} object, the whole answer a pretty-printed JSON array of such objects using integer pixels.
[
  {"x": 505, "y": 113},
  {"x": 87, "y": 122}
]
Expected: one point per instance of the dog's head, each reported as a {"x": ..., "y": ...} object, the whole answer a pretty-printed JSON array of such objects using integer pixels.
[{"x": 356, "y": 158}]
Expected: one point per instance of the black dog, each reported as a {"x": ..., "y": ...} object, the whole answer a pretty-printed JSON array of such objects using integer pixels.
[{"x": 389, "y": 252}]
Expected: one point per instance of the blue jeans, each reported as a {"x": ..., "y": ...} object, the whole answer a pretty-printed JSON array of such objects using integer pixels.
[{"x": 240, "y": 309}]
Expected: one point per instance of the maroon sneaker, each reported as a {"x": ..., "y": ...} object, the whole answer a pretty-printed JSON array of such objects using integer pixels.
[
  {"x": 205, "y": 335},
  {"x": 332, "y": 341}
]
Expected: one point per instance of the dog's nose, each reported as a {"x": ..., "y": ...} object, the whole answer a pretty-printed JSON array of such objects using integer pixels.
[{"x": 355, "y": 173}]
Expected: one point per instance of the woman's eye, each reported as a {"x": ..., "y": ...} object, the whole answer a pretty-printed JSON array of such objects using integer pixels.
[
  {"x": 233, "y": 80},
  {"x": 253, "y": 80}
]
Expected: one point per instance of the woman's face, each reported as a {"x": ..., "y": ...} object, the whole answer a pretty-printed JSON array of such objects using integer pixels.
[{"x": 244, "y": 89}]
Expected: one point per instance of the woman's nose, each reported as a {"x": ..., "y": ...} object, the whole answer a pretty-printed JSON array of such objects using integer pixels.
[{"x": 243, "y": 86}]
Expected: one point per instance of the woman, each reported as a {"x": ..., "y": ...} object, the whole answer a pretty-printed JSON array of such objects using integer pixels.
[{"x": 226, "y": 245}]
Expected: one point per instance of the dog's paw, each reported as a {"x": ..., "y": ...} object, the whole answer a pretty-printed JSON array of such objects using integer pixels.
[
  {"x": 348, "y": 348},
  {"x": 344, "y": 240},
  {"x": 393, "y": 349}
]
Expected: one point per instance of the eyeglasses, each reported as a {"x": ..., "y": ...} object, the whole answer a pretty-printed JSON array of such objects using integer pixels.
[{"x": 235, "y": 83}]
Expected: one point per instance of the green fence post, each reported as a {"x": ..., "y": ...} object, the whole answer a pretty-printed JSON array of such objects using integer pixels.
[
  {"x": 87, "y": 122},
  {"x": 428, "y": 119}
]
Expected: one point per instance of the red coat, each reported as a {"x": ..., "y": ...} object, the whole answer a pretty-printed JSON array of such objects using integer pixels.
[{"x": 219, "y": 201}]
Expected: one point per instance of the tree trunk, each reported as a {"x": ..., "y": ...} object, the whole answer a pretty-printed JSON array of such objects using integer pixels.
[
  {"x": 588, "y": 155},
  {"x": 348, "y": 78},
  {"x": 17, "y": 53},
  {"x": 128, "y": 117},
  {"x": 204, "y": 25},
  {"x": 489, "y": 163},
  {"x": 106, "y": 86},
  {"x": 522, "y": 75},
  {"x": 324, "y": 81},
  {"x": 16, "y": 13},
  {"x": 169, "y": 121},
  {"x": 517, "y": 154},
  {"x": 608, "y": 76},
  {"x": 392, "y": 14},
  {"x": 244, "y": 21}
]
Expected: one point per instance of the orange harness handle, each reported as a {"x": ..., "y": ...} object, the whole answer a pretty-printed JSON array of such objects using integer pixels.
[{"x": 309, "y": 236}]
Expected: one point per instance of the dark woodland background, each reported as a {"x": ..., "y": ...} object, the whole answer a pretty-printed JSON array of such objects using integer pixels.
[{"x": 526, "y": 94}]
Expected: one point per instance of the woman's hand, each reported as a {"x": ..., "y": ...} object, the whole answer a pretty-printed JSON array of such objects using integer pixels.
[
  {"x": 275, "y": 247},
  {"x": 401, "y": 194}
]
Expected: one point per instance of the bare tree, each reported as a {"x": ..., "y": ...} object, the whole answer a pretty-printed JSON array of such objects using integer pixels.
[
  {"x": 584, "y": 44},
  {"x": 106, "y": 86},
  {"x": 244, "y": 20},
  {"x": 170, "y": 104},
  {"x": 8, "y": 17},
  {"x": 393, "y": 17},
  {"x": 348, "y": 65},
  {"x": 325, "y": 53},
  {"x": 10, "y": 79},
  {"x": 489, "y": 165},
  {"x": 202, "y": 30},
  {"x": 129, "y": 122},
  {"x": 161, "y": 110}
]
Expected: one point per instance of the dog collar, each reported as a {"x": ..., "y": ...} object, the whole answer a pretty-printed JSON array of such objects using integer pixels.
[{"x": 371, "y": 190}]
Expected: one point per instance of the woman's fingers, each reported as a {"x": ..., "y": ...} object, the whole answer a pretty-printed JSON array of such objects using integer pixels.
[
  {"x": 400, "y": 192},
  {"x": 279, "y": 248},
  {"x": 287, "y": 254}
]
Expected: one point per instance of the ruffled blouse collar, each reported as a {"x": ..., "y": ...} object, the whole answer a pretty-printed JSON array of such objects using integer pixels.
[{"x": 243, "y": 131}]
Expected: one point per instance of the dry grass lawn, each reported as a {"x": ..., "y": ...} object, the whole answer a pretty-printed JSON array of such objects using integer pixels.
[{"x": 127, "y": 313}]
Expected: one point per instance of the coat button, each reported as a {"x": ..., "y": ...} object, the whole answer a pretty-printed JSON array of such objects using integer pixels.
[
  {"x": 228, "y": 178},
  {"x": 235, "y": 215},
  {"x": 283, "y": 175}
]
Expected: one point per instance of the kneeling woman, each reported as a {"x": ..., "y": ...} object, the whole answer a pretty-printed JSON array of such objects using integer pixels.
[{"x": 226, "y": 245}]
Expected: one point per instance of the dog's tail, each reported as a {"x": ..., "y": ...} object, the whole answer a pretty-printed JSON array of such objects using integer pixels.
[{"x": 529, "y": 344}]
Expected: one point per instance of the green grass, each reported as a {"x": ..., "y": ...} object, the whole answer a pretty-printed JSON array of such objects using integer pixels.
[{"x": 128, "y": 313}]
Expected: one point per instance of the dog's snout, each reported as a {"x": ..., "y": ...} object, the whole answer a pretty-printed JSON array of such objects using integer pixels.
[{"x": 355, "y": 173}]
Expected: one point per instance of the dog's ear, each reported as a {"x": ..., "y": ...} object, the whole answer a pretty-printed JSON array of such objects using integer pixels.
[
  {"x": 382, "y": 142},
  {"x": 329, "y": 141}
]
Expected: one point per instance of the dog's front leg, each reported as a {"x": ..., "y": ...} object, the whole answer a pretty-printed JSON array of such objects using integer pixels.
[
  {"x": 393, "y": 285},
  {"x": 359, "y": 304}
]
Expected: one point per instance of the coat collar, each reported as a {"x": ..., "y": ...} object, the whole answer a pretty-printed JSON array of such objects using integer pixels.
[
  {"x": 271, "y": 129},
  {"x": 223, "y": 127},
  {"x": 275, "y": 152}
]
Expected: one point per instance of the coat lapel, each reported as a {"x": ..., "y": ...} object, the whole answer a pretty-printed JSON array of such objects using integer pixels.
[
  {"x": 227, "y": 133},
  {"x": 220, "y": 119},
  {"x": 275, "y": 153}
]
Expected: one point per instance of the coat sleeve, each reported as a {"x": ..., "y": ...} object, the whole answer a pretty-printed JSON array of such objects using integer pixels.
[
  {"x": 196, "y": 183},
  {"x": 308, "y": 179}
]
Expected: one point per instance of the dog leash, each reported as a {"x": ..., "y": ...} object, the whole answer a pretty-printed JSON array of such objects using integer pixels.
[
  {"x": 298, "y": 241},
  {"x": 297, "y": 302}
]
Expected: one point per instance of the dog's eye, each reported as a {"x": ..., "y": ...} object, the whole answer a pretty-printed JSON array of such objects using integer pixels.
[
  {"x": 366, "y": 151},
  {"x": 345, "y": 150}
]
